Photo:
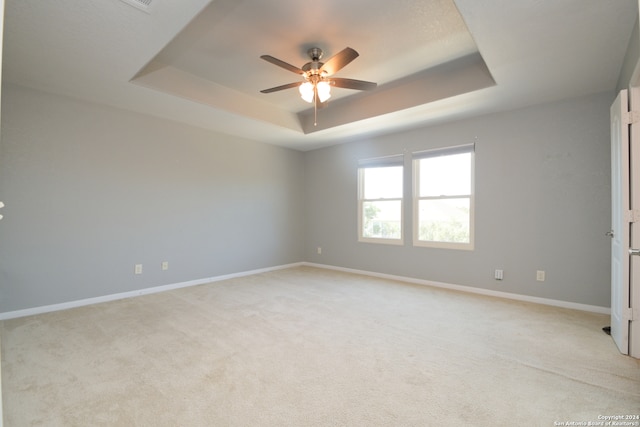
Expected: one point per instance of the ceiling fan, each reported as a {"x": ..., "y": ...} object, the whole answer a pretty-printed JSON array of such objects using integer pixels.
[{"x": 315, "y": 86}]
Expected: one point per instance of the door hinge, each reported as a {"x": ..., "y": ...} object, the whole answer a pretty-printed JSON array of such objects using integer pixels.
[
  {"x": 632, "y": 215},
  {"x": 627, "y": 314},
  {"x": 633, "y": 117}
]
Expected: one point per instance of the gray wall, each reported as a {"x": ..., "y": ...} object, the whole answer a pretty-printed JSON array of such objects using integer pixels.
[
  {"x": 631, "y": 59},
  {"x": 90, "y": 191},
  {"x": 542, "y": 203}
]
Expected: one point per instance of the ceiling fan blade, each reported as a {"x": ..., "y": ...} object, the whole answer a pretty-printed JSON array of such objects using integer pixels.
[
  {"x": 339, "y": 60},
  {"x": 353, "y": 84},
  {"x": 283, "y": 87},
  {"x": 282, "y": 64}
]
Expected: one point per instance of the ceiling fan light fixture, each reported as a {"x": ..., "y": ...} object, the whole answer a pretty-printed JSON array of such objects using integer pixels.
[
  {"x": 324, "y": 91},
  {"x": 306, "y": 91},
  {"x": 316, "y": 85}
]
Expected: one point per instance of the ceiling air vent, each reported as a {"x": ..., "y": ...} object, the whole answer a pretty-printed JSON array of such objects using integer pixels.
[{"x": 144, "y": 5}]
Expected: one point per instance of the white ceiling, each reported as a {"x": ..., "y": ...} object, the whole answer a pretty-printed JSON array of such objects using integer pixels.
[{"x": 198, "y": 61}]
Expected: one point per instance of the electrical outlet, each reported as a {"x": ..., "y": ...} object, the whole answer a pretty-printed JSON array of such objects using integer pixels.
[
  {"x": 540, "y": 276},
  {"x": 319, "y": 250},
  {"x": 138, "y": 269},
  {"x": 498, "y": 275},
  {"x": 165, "y": 265}
]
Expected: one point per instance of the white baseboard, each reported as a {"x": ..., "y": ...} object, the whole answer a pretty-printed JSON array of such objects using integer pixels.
[
  {"x": 156, "y": 289},
  {"x": 471, "y": 289},
  {"x": 136, "y": 293}
]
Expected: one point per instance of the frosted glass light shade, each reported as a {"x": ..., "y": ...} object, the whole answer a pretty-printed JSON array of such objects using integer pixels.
[
  {"x": 324, "y": 91},
  {"x": 306, "y": 91}
]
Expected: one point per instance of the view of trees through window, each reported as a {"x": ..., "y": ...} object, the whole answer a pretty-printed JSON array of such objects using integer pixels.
[
  {"x": 442, "y": 198},
  {"x": 382, "y": 220},
  {"x": 444, "y": 221},
  {"x": 381, "y": 202}
]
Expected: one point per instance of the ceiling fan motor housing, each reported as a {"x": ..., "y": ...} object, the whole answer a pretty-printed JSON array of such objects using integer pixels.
[{"x": 313, "y": 68}]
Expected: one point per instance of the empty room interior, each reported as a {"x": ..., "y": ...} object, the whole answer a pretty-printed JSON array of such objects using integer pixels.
[{"x": 315, "y": 213}]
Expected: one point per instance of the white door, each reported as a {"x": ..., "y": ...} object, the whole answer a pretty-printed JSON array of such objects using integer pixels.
[{"x": 619, "y": 222}]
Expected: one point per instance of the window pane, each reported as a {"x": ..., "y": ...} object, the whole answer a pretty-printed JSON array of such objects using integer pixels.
[
  {"x": 383, "y": 183},
  {"x": 382, "y": 219},
  {"x": 445, "y": 175},
  {"x": 444, "y": 220}
]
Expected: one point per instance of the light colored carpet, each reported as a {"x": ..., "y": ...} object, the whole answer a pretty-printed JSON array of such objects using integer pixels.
[{"x": 313, "y": 347}]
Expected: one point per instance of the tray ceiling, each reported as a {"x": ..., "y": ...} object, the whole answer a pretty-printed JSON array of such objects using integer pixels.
[{"x": 198, "y": 61}]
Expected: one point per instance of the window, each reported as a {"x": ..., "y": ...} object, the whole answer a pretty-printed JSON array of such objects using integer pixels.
[
  {"x": 443, "y": 200},
  {"x": 380, "y": 200}
]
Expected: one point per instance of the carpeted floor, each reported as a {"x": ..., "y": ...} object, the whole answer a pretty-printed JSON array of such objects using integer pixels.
[{"x": 313, "y": 347}]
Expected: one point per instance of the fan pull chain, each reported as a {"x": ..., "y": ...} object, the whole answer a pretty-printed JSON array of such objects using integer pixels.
[
  {"x": 315, "y": 105},
  {"x": 315, "y": 114}
]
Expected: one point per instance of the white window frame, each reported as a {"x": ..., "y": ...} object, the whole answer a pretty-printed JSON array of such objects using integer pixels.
[
  {"x": 416, "y": 157},
  {"x": 388, "y": 161}
]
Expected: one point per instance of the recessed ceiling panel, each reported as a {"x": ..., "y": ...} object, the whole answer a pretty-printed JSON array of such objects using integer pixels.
[{"x": 219, "y": 51}]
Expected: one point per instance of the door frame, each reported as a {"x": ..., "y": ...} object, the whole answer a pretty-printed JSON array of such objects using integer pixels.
[
  {"x": 634, "y": 199},
  {"x": 634, "y": 235}
]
